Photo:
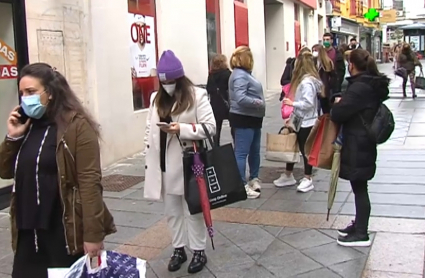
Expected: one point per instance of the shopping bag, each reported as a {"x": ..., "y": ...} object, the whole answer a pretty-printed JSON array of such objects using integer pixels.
[
  {"x": 286, "y": 110},
  {"x": 282, "y": 147},
  {"x": 420, "y": 81},
  {"x": 111, "y": 265},
  {"x": 221, "y": 172},
  {"x": 319, "y": 145},
  {"x": 401, "y": 72}
]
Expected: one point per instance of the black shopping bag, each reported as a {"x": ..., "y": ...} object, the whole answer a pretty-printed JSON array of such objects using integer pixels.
[
  {"x": 420, "y": 81},
  {"x": 221, "y": 173}
]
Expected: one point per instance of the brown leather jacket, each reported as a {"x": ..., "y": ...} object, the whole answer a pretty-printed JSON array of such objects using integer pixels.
[{"x": 85, "y": 216}]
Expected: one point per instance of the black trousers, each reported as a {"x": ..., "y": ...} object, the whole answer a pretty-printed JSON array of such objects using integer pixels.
[
  {"x": 362, "y": 202},
  {"x": 51, "y": 253},
  {"x": 302, "y": 136}
]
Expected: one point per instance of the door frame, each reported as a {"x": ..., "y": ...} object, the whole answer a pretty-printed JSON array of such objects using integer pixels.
[
  {"x": 21, "y": 48},
  {"x": 20, "y": 31}
]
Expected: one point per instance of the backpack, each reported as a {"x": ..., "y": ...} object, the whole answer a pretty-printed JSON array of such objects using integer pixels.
[{"x": 382, "y": 126}]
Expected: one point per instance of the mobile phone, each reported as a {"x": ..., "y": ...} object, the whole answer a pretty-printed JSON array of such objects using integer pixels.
[
  {"x": 24, "y": 117},
  {"x": 163, "y": 124}
]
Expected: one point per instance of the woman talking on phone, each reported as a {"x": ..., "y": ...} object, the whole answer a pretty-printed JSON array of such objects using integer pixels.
[
  {"x": 174, "y": 121},
  {"x": 52, "y": 152}
]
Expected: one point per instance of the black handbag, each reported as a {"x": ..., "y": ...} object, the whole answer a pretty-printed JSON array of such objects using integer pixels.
[
  {"x": 420, "y": 81},
  {"x": 221, "y": 174}
]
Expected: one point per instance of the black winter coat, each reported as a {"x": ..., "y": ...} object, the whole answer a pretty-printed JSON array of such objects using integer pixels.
[
  {"x": 287, "y": 75},
  {"x": 363, "y": 96},
  {"x": 329, "y": 80},
  {"x": 218, "y": 90}
]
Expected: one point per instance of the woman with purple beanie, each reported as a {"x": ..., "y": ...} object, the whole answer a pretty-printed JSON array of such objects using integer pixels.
[{"x": 176, "y": 114}]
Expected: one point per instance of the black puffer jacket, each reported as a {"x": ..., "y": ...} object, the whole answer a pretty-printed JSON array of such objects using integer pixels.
[
  {"x": 287, "y": 74},
  {"x": 218, "y": 89},
  {"x": 363, "y": 96}
]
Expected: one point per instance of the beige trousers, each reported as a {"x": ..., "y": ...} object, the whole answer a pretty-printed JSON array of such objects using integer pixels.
[{"x": 185, "y": 228}]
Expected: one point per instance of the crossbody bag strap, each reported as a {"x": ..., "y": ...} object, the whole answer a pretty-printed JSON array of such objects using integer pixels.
[{"x": 209, "y": 137}]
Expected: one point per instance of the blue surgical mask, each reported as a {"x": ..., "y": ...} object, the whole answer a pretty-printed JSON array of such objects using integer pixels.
[{"x": 32, "y": 106}]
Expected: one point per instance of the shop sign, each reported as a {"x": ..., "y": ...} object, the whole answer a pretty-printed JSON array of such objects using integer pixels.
[
  {"x": 9, "y": 71},
  {"x": 346, "y": 27},
  {"x": 142, "y": 45},
  {"x": 388, "y": 16}
]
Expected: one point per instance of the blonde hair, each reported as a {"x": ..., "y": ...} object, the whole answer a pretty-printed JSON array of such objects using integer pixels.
[
  {"x": 304, "y": 65},
  {"x": 323, "y": 58},
  {"x": 242, "y": 58},
  {"x": 347, "y": 55}
]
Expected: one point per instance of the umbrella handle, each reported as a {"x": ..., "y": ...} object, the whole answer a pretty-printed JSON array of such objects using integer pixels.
[{"x": 195, "y": 148}]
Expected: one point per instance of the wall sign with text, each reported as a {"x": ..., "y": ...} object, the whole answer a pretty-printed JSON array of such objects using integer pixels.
[{"x": 10, "y": 70}]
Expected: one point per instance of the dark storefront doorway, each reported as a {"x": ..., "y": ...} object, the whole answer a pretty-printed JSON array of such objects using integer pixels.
[{"x": 13, "y": 56}]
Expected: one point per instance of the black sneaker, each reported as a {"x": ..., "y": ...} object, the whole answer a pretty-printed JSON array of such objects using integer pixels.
[
  {"x": 354, "y": 240},
  {"x": 350, "y": 229},
  {"x": 198, "y": 262},
  {"x": 177, "y": 259}
]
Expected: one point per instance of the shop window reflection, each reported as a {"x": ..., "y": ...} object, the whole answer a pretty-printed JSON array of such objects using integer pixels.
[{"x": 143, "y": 51}]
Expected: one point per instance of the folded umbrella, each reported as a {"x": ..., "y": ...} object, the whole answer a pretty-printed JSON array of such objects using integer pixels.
[
  {"x": 336, "y": 165},
  {"x": 198, "y": 169}
]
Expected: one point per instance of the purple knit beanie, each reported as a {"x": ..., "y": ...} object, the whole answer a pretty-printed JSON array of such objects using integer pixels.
[{"x": 169, "y": 66}]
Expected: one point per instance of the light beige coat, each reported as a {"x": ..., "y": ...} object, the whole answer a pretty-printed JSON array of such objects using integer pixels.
[{"x": 172, "y": 180}]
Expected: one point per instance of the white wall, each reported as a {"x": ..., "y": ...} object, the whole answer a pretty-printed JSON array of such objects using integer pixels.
[
  {"x": 275, "y": 44},
  {"x": 182, "y": 28},
  {"x": 257, "y": 39},
  {"x": 78, "y": 43},
  {"x": 227, "y": 27}
]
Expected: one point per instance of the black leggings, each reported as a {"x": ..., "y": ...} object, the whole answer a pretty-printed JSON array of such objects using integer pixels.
[
  {"x": 361, "y": 199},
  {"x": 302, "y": 136}
]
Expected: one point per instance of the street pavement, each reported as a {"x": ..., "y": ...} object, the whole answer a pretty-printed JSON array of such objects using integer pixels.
[{"x": 285, "y": 233}]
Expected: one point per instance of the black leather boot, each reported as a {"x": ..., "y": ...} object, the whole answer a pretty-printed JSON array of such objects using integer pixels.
[
  {"x": 198, "y": 262},
  {"x": 177, "y": 259}
]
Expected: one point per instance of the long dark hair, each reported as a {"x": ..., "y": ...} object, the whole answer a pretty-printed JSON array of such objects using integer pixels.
[
  {"x": 183, "y": 98},
  {"x": 364, "y": 62},
  {"x": 64, "y": 100}
]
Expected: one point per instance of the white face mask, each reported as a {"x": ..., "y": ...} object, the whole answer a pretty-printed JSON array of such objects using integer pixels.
[
  {"x": 169, "y": 88},
  {"x": 315, "y": 54}
]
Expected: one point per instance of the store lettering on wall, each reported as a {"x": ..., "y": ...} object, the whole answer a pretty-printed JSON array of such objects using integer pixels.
[{"x": 9, "y": 71}]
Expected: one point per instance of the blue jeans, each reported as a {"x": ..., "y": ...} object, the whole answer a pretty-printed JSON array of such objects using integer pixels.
[{"x": 248, "y": 144}]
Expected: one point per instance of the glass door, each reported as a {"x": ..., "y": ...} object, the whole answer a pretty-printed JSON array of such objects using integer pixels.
[{"x": 8, "y": 70}]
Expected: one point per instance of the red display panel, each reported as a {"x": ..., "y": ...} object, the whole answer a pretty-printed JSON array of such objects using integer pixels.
[
  {"x": 297, "y": 30},
  {"x": 241, "y": 24}
]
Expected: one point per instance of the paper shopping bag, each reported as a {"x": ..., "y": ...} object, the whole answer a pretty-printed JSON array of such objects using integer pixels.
[
  {"x": 282, "y": 147},
  {"x": 319, "y": 145}
]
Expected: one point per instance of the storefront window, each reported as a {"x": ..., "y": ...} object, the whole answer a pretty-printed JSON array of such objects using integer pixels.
[
  {"x": 143, "y": 50},
  {"x": 213, "y": 28},
  {"x": 8, "y": 70}
]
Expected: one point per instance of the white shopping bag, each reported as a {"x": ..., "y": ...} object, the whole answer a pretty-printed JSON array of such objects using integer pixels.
[{"x": 112, "y": 265}]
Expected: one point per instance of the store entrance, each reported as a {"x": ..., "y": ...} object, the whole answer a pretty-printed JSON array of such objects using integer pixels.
[{"x": 13, "y": 56}]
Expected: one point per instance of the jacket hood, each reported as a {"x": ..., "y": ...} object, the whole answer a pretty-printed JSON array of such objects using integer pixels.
[
  {"x": 379, "y": 84},
  {"x": 317, "y": 83}
]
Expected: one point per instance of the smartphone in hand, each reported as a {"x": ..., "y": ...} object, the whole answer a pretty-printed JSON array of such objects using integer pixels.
[
  {"x": 23, "y": 119},
  {"x": 161, "y": 124}
]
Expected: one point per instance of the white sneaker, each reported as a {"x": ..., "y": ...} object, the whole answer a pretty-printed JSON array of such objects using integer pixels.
[
  {"x": 285, "y": 180},
  {"x": 255, "y": 184},
  {"x": 251, "y": 194},
  {"x": 305, "y": 185}
]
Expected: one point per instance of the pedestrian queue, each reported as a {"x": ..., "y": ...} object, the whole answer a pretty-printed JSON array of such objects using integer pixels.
[
  {"x": 247, "y": 111},
  {"x": 52, "y": 152},
  {"x": 362, "y": 116},
  {"x": 218, "y": 91},
  {"x": 302, "y": 97},
  {"x": 178, "y": 113}
]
